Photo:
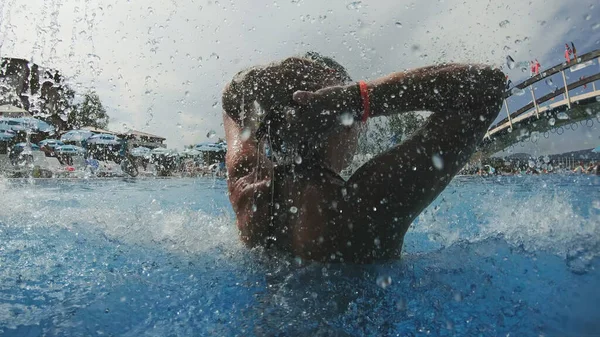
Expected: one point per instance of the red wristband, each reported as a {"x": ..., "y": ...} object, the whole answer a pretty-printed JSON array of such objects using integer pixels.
[{"x": 364, "y": 94}]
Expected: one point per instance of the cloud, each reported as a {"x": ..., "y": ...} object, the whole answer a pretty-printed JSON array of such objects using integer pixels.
[{"x": 160, "y": 66}]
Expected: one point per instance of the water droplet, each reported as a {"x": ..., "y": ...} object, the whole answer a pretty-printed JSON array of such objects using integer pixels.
[
  {"x": 587, "y": 17},
  {"x": 509, "y": 130},
  {"x": 293, "y": 209},
  {"x": 254, "y": 208},
  {"x": 298, "y": 160},
  {"x": 535, "y": 136},
  {"x": 436, "y": 91},
  {"x": 398, "y": 24},
  {"x": 354, "y": 5},
  {"x": 552, "y": 121},
  {"x": 517, "y": 91},
  {"x": 579, "y": 260},
  {"x": 346, "y": 119},
  {"x": 384, "y": 281},
  {"x": 245, "y": 134},
  {"x": 588, "y": 111},
  {"x": 596, "y": 26},
  {"x": 543, "y": 23},
  {"x": 531, "y": 163},
  {"x": 503, "y": 23},
  {"x": 458, "y": 296},
  {"x": 344, "y": 192},
  {"x": 562, "y": 116},
  {"x": 438, "y": 162},
  {"x": 510, "y": 63},
  {"x": 549, "y": 82},
  {"x": 211, "y": 134}
]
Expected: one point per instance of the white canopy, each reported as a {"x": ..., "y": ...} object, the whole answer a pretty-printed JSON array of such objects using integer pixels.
[{"x": 8, "y": 110}]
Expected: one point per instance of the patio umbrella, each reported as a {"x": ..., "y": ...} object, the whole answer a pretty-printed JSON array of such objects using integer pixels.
[
  {"x": 25, "y": 123},
  {"x": 23, "y": 146},
  {"x": 36, "y": 125},
  {"x": 70, "y": 149},
  {"x": 190, "y": 152},
  {"x": 52, "y": 143},
  {"x": 11, "y": 124},
  {"x": 104, "y": 139},
  {"x": 8, "y": 110},
  {"x": 140, "y": 151},
  {"x": 6, "y": 136},
  {"x": 163, "y": 151},
  {"x": 76, "y": 136},
  {"x": 210, "y": 147}
]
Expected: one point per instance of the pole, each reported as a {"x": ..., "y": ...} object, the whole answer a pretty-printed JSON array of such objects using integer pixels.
[
  {"x": 566, "y": 89},
  {"x": 537, "y": 108},
  {"x": 594, "y": 83},
  {"x": 508, "y": 114}
]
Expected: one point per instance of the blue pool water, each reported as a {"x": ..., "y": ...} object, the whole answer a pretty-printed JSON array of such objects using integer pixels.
[{"x": 501, "y": 256}]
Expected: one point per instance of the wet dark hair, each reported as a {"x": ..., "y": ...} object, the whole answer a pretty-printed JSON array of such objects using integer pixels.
[{"x": 328, "y": 62}]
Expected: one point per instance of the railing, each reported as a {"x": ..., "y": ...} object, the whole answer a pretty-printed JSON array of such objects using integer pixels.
[{"x": 533, "y": 108}]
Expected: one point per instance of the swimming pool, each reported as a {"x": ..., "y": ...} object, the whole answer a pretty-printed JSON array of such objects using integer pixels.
[{"x": 491, "y": 256}]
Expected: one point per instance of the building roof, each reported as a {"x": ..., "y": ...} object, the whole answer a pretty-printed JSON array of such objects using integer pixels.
[
  {"x": 143, "y": 134},
  {"x": 8, "y": 110},
  {"x": 97, "y": 130}
]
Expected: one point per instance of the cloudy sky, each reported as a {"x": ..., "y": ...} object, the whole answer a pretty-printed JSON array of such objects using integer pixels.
[{"x": 159, "y": 66}]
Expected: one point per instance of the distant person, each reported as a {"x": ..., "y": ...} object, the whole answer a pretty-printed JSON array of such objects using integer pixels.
[
  {"x": 536, "y": 67},
  {"x": 592, "y": 168},
  {"x": 568, "y": 53},
  {"x": 309, "y": 113},
  {"x": 579, "y": 168}
]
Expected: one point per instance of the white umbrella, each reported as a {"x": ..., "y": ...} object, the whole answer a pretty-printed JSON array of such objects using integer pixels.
[
  {"x": 70, "y": 149},
  {"x": 11, "y": 124},
  {"x": 25, "y": 123},
  {"x": 104, "y": 139},
  {"x": 140, "y": 151},
  {"x": 210, "y": 147},
  {"x": 190, "y": 152},
  {"x": 6, "y": 136},
  {"x": 35, "y": 124},
  {"x": 8, "y": 110},
  {"x": 51, "y": 143},
  {"x": 163, "y": 151},
  {"x": 76, "y": 136}
]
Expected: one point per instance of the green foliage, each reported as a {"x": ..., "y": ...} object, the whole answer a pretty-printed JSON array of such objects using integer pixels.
[{"x": 89, "y": 112}]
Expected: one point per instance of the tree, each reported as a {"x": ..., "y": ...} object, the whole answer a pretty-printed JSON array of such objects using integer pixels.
[{"x": 89, "y": 112}]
